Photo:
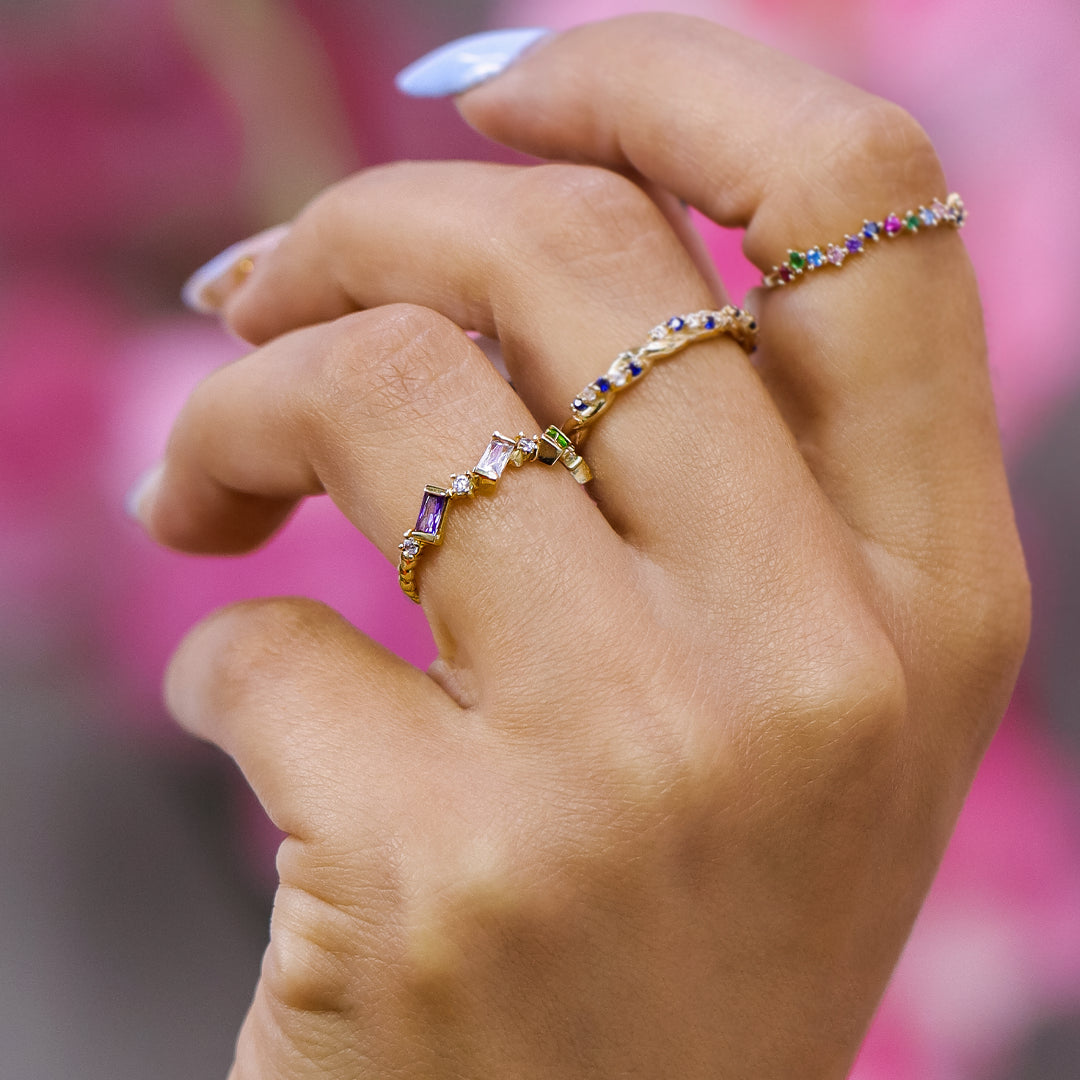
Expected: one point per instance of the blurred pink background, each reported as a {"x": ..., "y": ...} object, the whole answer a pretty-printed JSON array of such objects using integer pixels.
[{"x": 139, "y": 137}]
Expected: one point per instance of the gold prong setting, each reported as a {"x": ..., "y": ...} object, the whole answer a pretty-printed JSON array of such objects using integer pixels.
[
  {"x": 798, "y": 263},
  {"x": 482, "y": 478}
]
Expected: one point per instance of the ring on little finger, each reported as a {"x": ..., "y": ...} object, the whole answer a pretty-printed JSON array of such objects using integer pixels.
[{"x": 950, "y": 212}]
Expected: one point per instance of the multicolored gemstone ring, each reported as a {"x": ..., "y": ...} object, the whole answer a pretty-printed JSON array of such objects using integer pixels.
[
  {"x": 664, "y": 340},
  {"x": 950, "y": 212},
  {"x": 551, "y": 447}
]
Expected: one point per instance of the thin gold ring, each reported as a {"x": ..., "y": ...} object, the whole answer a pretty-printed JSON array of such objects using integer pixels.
[
  {"x": 665, "y": 340},
  {"x": 549, "y": 448}
]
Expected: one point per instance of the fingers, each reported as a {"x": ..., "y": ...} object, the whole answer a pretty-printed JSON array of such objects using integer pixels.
[
  {"x": 878, "y": 367},
  {"x": 567, "y": 267},
  {"x": 371, "y": 409},
  {"x": 308, "y": 707}
]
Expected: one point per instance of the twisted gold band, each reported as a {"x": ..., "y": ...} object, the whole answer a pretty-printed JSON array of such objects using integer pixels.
[
  {"x": 550, "y": 447},
  {"x": 664, "y": 340}
]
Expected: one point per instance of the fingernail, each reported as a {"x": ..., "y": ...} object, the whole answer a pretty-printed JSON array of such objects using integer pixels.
[
  {"x": 140, "y": 498},
  {"x": 467, "y": 62},
  {"x": 210, "y": 286}
]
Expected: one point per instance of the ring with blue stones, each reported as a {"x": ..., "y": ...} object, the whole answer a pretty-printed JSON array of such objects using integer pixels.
[
  {"x": 552, "y": 447},
  {"x": 950, "y": 212},
  {"x": 665, "y": 340}
]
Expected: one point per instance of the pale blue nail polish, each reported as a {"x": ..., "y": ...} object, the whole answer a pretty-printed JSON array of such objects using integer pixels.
[
  {"x": 206, "y": 290},
  {"x": 467, "y": 62},
  {"x": 142, "y": 492}
]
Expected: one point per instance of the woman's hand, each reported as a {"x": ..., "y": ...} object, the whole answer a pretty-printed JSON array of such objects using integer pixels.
[{"x": 670, "y": 798}]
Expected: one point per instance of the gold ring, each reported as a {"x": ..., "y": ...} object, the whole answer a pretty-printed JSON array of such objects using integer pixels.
[
  {"x": 550, "y": 447},
  {"x": 665, "y": 340},
  {"x": 950, "y": 212}
]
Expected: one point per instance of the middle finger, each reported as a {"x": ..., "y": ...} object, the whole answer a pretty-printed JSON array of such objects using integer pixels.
[{"x": 567, "y": 266}]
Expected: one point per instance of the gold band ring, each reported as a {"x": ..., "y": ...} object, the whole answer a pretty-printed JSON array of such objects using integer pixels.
[
  {"x": 664, "y": 340},
  {"x": 550, "y": 447},
  {"x": 950, "y": 212}
]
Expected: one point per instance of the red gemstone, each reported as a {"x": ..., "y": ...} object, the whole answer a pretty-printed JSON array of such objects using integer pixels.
[{"x": 785, "y": 274}]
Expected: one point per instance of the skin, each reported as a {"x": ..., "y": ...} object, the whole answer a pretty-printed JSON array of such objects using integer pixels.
[{"x": 669, "y": 800}]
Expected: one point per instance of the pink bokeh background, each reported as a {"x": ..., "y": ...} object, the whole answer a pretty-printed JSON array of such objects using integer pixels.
[{"x": 137, "y": 142}]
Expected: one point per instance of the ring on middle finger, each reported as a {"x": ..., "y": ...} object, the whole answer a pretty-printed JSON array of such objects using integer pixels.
[{"x": 670, "y": 337}]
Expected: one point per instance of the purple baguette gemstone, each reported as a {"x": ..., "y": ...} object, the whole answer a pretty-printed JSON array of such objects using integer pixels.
[
  {"x": 429, "y": 521},
  {"x": 495, "y": 457}
]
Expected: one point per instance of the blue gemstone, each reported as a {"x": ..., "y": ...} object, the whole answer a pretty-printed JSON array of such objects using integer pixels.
[
  {"x": 927, "y": 216},
  {"x": 870, "y": 230},
  {"x": 676, "y": 323},
  {"x": 815, "y": 258},
  {"x": 579, "y": 405},
  {"x": 635, "y": 368},
  {"x": 602, "y": 385},
  {"x": 710, "y": 323}
]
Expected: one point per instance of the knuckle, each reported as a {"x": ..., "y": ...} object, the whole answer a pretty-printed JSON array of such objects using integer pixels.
[
  {"x": 380, "y": 368},
  {"x": 579, "y": 212},
  {"x": 843, "y": 708},
  {"x": 886, "y": 146},
  {"x": 494, "y": 916},
  {"x": 988, "y": 628},
  {"x": 249, "y": 645},
  {"x": 308, "y": 966}
]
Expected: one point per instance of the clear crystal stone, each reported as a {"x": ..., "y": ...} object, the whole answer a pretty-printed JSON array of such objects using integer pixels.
[
  {"x": 495, "y": 457},
  {"x": 460, "y": 484},
  {"x": 588, "y": 395},
  {"x": 527, "y": 446},
  {"x": 658, "y": 332},
  {"x": 410, "y": 548}
]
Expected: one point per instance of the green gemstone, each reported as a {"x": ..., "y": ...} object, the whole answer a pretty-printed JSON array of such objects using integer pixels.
[
  {"x": 556, "y": 436},
  {"x": 796, "y": 260},
  {"x": 912, "y": 222}
]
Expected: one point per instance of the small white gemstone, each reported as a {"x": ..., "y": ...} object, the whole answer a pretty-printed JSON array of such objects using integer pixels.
[
  {"x": 410, "y": 548},
  {"x": 693, "y": 322},
  {"x": 461, "y": 484},
  {"x": 588, "y": 395},
  {"x": 658, "y": 332},
  {"x": 527, "y": 446},
  {"x": 620, "y": 377}
]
